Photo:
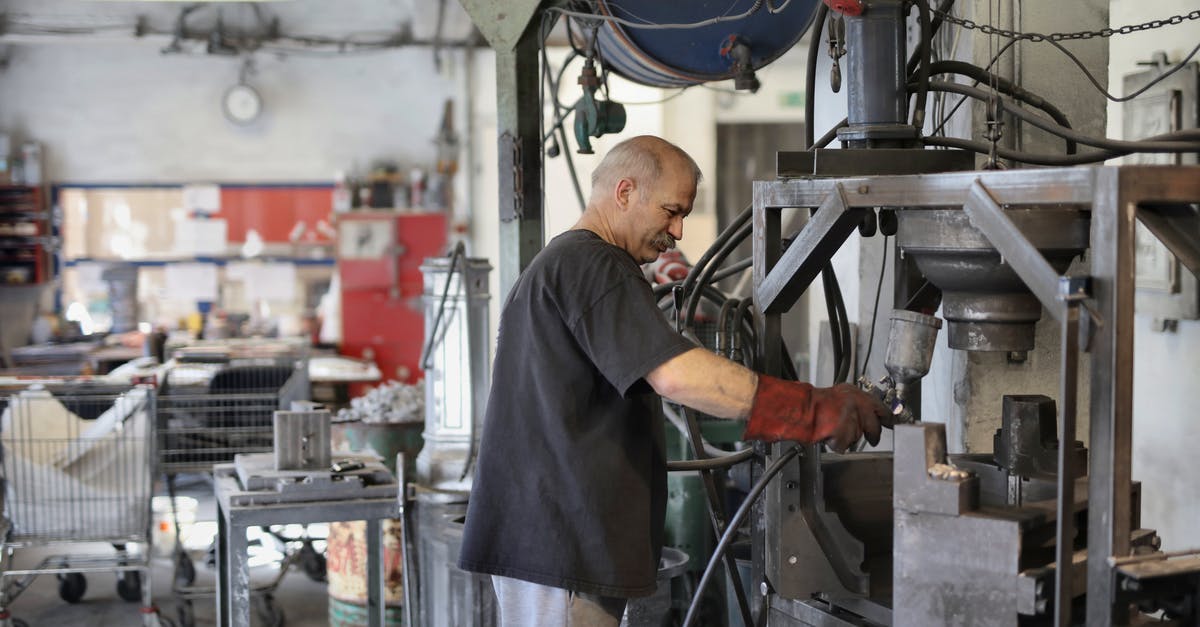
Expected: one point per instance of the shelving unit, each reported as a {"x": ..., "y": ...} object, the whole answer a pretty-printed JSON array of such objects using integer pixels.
[{"x": 27, "y": 238}]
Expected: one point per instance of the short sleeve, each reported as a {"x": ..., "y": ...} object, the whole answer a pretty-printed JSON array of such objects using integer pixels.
[{"x": 625, "y": 334}]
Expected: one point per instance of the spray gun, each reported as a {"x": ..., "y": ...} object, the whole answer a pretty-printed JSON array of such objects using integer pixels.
[{"x": 909, "y": 352}]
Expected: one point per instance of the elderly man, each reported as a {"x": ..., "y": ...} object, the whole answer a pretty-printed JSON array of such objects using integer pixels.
[{"x": 569, "y": 497}]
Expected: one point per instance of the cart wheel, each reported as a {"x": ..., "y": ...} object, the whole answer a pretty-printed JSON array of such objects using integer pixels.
[
  {"x": 185, "y": 570},
  {"x": 129, "y": 586},
  {"x": 71, "y": 587},
  {"x": 312, "y": 562},
  {"x": 268, "y": 613},
  {"x": 185, "y": 613},
  {"x": 19, "y": 623}
]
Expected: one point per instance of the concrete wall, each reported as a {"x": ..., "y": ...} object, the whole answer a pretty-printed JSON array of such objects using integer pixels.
[{"x": 1165, "y": 363}]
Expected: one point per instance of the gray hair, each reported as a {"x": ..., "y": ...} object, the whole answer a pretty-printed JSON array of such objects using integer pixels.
[{"x": 638, "y": 158}]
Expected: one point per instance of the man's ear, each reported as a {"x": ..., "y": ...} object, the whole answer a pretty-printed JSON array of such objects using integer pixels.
[{"x": 625, "y": 189}]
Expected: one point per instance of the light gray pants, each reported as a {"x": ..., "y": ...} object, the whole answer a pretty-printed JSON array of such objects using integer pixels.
[{"x": 525, "y": 604}]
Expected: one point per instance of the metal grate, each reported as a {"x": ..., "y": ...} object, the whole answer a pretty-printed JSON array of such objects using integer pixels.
[{"x": 207, "y": 413}]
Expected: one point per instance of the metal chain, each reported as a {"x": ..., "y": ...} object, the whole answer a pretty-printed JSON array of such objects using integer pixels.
[{"x": 988, "y": 29}]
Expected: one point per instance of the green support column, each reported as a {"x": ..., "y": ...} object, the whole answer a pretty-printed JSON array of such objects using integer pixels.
[{"x": 511, "y": 27}]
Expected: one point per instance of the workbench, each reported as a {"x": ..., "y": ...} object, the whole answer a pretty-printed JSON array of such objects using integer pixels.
[{"x": 234, "y": 516}]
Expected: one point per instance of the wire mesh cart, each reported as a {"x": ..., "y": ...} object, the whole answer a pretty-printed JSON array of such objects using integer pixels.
[
  {"x": 209, "y": 412},
  {"x": 216, "y": 402},
  {"x": 78, "y": 467}
]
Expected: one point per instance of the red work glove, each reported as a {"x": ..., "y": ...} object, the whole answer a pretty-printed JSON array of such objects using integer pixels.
[{"x": 838, "y": 416}]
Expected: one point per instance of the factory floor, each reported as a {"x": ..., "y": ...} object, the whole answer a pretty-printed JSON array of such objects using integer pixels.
[{"x": 304, "y": 602}]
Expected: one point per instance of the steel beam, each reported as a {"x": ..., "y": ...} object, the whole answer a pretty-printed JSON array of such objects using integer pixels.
[
  {"x": 824, "y": 234},
  {"x": 502, "y": 23},
  {"x": 1112, "y": 254},
  {"x": 520, "y": 155},
  {"x": 1014, "y": 248},
  {"x": 1178, "y": 228},
  {"x": 1065, "y": 524}
]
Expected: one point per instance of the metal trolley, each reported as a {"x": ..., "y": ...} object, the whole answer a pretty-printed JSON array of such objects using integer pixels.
[
  {"x": 78, "y": 467},
  {"x": 209, "y": 412},
  {"x": 216, "y": 401}
]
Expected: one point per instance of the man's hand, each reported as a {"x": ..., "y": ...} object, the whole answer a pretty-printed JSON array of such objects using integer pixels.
[{"x": 838, "y": 415}]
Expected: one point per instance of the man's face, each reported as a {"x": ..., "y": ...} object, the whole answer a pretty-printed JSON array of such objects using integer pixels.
[{"x": 657, "y": 210}]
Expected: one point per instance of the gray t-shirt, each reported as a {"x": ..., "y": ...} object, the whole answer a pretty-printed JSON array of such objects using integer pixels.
[{"x": 570, "y": 485}]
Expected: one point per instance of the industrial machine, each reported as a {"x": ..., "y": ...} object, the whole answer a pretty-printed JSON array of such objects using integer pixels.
[{"x": 1042, "y": 530}]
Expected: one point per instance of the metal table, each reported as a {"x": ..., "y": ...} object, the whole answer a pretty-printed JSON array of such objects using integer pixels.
[{"x": 233, "y": 570}]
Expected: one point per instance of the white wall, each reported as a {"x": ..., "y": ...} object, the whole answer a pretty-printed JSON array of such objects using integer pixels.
[
  {"x": 1165, "y": 364},
  {"x": 125, "y": 113}
]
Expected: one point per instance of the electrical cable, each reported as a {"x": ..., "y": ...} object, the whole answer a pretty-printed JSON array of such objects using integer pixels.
[
  {"x": 835, "y": 325},
  {"x": 460, "y": 252},
  {"x": 810, "y": 75},
  {"x": 875, "y": 309},
  {"x": 715, "y": 462},
  {"x": 777, "y": 9},
  {"x": 560, "y": 117},
  {"x": 1005, "y": 86},
  {"x": 732, "y": 527},
  {"x": 1187, "y": 141},
  {"x": 658, "y": 26}
]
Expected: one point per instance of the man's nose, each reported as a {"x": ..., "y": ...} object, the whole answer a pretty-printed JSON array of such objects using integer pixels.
[{"x": 675, "y": 228}]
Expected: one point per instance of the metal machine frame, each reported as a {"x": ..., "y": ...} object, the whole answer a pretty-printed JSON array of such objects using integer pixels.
[{"x": 1117, "y": 196}]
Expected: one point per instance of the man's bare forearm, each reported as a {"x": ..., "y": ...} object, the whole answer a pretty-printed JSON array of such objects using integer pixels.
[{"x": 706, "y": 382}]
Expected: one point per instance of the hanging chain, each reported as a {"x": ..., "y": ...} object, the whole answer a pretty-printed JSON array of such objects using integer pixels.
[{"x": 988, "y": 29}]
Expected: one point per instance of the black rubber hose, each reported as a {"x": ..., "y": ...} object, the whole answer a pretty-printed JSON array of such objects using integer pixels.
[
  {"x": 926, "y": 52},
  {"x": 915, "y": 58},
  {"x": 743, "y": 325},
  {"x": 835, "y": 327},
  {"x": 741, "y": 218},
  {"x": 706, "y": 275},
  {"x": 1187, "y": 142},
  {"x": 984, "y": 148},
  {"x": 1005, "y": 86},
  {"x": 723, "y": 338},
  {"x": 831, "y": 135},
  {"x": 712, "y": 463},
  {"x": 838, "y": 318},
  {"x": 810, "y": 77},
  {"x": 725, "y": 273},
  {"x": 732, "y": 527},
  {"x": 716, "y": 511}
]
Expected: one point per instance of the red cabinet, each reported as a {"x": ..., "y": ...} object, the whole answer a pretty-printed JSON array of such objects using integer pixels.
[{"x": 379, "y": 266}]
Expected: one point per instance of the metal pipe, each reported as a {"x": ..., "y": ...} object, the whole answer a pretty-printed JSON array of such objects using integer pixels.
[{"x": 875, "y": 68}]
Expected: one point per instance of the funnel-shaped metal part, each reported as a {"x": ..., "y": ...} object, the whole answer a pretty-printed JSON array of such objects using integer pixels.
[{"x": 986, "y": 305}]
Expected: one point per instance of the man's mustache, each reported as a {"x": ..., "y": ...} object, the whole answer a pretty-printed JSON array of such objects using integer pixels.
[{"x": 664, "y": 240}]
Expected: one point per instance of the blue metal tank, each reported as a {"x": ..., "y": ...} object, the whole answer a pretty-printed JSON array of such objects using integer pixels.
[{"x": 678, "y": 57}]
